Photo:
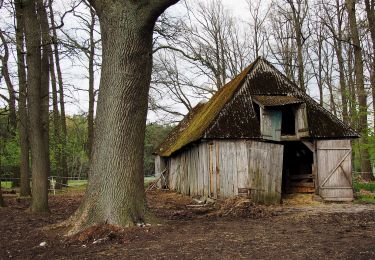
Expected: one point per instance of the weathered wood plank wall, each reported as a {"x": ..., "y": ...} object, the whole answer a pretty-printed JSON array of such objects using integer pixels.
[
  {"x": 160, "y": 165},
  {"x": 334, "y": 158},
  {"x": 229, "y": 168},
  {"x": 222, "y": 169}
]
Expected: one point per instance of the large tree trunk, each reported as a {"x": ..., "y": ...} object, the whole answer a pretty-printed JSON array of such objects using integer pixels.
[
  {"x": 362, "y": 96},
  {"x": 38, "y": 130},
  {"x": 22, "y": 105},
  {"x": 115, "y": 193}
]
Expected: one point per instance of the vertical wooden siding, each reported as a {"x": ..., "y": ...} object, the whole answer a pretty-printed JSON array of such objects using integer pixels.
[
  {"x": 223, "y": 168},
  {"x": 160, "y": 164}
]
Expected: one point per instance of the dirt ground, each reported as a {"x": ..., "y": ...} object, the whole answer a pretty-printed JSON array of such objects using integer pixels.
[{"x": 232, "y": 229}]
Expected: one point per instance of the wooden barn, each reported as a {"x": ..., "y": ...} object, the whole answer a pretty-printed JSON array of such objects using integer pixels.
[{"x": 259, "y": 136}]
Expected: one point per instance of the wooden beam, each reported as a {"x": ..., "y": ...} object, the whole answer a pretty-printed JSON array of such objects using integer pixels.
[
  {"x": 301, "y": 176},
  {"x": 309, "y": 145}
]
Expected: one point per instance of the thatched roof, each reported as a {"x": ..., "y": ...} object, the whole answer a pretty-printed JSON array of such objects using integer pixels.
[{"x": 230, "y": 112}]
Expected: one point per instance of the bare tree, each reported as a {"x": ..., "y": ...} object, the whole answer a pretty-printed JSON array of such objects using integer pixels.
[
  {"x": 316, "y": 56},
  {"x": 89, "y": 47},
  {"x": 22, "y": 103},
  {"x": 281, "y": 43},
  {"x": 11, "y": 100},
  {"x": 361, "y": 93},
  {"x": 258, "y": 21},
  {"x": 327, "y": 69},
  {"x": 334, "y": 22},
  {"x": 62, "y": 124},
  {"x": 212, "y": 43},
  {"x": 370, "y": 11},
  {"x": 297, "y": 14},
  {"x": 173, "y": 91}
]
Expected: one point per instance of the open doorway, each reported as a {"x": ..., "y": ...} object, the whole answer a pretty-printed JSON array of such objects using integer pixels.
[{"x": 297, "y": 168}]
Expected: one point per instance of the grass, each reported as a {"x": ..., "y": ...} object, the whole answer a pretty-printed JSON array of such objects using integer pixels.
[
  {"x": 368, "y": 191},
  {"x": 75, "y": 183},
  {"x": 148, "y": 180},
  {"x": 369, "y": 186},
  {"x": 365, "y": 198},
  {"x": 6, "y": 184}
]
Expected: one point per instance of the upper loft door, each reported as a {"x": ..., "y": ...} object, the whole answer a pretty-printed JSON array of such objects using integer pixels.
[
  {"x": 282, "y": 118},
  {"x": 302, "y": 128},
  {"x": 271, "y": 124}
]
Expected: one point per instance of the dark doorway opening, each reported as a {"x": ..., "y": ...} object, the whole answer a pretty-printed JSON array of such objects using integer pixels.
[
  {"x": 297, "y": 168},
  {"x": 288, "y": 122}
]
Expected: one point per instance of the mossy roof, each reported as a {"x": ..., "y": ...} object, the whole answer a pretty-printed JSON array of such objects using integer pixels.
[
  {"x": 193, "y": 126},
  {"x": 230, "y": 113}
]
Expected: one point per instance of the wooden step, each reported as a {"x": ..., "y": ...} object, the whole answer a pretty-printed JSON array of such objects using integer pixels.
[
  {"x": 302, "y": 184},
  {"x": 301, "y": 176},
  {"x": 300, "y": 190}
]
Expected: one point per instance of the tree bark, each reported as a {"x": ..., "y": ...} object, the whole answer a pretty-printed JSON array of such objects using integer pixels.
[
  {"x": 58, "y": 154},
  {"x": 91, "y": 56},
  {"x": 22, "y": 104},
  {"x": 337, "y": 42},
  {"x": 2, "y": 203},
  {"x": 297, "y": 24},
  {"x": 12, "y": 116},
  {"x": 370, "y": 11},
  {"x": 351, "y": 89},
  {"x": 12, "y": 95},
  {"x": 361, "y": 93},
  {"x": 115, "y": 193},
  {"x": 39, "y": 152}
]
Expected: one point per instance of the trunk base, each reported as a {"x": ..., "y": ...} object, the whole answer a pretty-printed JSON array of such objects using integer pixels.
[
  {"x": 368, "y": 176},
  {"x": 81, "y": 222}
]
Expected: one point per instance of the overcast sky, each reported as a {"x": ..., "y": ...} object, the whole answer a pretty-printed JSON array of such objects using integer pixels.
[{"x": 75, "y": 76}]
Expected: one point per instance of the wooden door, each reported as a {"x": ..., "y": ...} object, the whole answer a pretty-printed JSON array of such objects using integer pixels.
[
  {"x": 302, "y": 128},
  {"x": 271, "y": 124},
  {"x": 265, "y": 171},
  {"x": 334, "y": 158}
]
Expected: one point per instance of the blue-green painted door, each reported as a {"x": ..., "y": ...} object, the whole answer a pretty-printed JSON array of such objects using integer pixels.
[{"x": 271, "y": 124}]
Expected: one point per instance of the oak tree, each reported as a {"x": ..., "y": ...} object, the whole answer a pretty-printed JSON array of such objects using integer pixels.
[{"x": 115, "y": 193}]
